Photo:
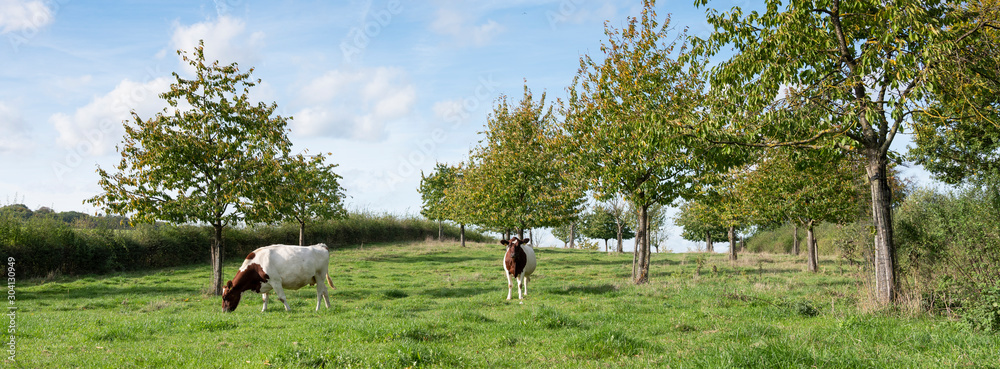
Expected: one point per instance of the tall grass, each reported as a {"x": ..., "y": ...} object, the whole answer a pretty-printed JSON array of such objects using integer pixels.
[{"x": 45, "y": 246}]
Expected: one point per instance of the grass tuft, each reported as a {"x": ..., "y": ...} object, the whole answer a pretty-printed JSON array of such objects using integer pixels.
[
  {"x": 606, "y": 344},
  {"x": 394, "y": 294},
  {"x": 553, "y": 319}
]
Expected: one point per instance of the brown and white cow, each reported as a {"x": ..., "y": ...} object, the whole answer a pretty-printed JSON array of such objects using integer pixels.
[
  {"x": 518, "y": 262},
  {"x": 277, "y": 268}
]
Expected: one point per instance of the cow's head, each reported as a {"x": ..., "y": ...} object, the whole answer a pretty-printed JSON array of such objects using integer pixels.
[
  {"x": 249, "y": 278},
  {"x": 230, "y": 298},
  {"x": 514, "y": 242}
]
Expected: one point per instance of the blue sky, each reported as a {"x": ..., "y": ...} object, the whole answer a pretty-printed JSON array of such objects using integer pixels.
[{"x": 388, "y": 87}]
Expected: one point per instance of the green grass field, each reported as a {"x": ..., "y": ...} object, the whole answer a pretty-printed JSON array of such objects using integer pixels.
[{"x": 440, "y": 305}]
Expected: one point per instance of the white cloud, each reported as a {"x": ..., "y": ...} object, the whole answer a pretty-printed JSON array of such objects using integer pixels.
[
  {"x": 226, "y": 40},
  {"x": 354, "y": 104},
  {"x": 24, "y": 15},
  {"x": 459, "y": 25},
  {"x": 13, "y": 129},
  {"x": 320, "y": 121},
  {"x": 96, "y": 128}
]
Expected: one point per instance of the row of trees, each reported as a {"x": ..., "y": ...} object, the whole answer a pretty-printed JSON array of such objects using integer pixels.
[
  {"x": 807, "y": 105},
  {"x": 612, "y": 220},
  {"x": 845, "y": 77},
  {"x": 778, "y": 186},
  {"x": 214, "y": 157},
  {"x": 72, "y": 218},
  {"x": 620, "y": 138}
]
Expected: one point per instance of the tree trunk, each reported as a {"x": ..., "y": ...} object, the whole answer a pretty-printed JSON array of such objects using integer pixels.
[
  {"x": 572, "y": 235},
  {"x": 811, "y": 242},
  {"x": 732, "y": 243},
  {"x": 302, "y": 233},
  {"x": 619, "y": 224},
  {"x": 743, "y": 244},
  {"x": 885, "y": 250},
  {"x": 636, "y": 246},
  {"x": 520, "y": 233},
  {"x": 606, "y": 245},
  {"x": 708, "y": 241},
  {"x": 795, "y": 238},
  {"x": 635, "y": 256},
  {"x": 506, "y": 234},
  {"x": 217, "y": 260},
  {"x": 440, "y": 231},
  {"x": 461, "y": 234},
  {"x": 641, "y": 274}
]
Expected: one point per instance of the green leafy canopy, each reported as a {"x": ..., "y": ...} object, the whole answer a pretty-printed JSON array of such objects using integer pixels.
[{"x": 204, "y": 158}]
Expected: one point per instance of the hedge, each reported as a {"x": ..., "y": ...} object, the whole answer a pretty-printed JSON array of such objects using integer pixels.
[{"x": 43, "y": 245}]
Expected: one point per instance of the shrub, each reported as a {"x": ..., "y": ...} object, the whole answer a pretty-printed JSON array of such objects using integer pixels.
[
  {"x": 948, "y": 252},
  {"x": 984, "y": 312}
]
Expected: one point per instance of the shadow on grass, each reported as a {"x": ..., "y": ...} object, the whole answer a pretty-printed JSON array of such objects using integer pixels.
[
  {"x": 664, "y": 262},
  {"x": 62, "y": 292},
  {"x": 844, "y": 282},
  {"x": 585, "y": 290},
  {"x": 455, "y": 292},
  {"x": 351, "y": 294},
  {"x": 437, "y": 258},
  {"x": 590, "y": 262}
]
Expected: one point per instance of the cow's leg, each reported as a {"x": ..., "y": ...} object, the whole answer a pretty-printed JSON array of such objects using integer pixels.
[
  {"x": 519, "y": 287},
  {"x": 321, "y": 293},
  {"x": 279, "y": 292},
  {"x": 326, "y": 297},
  {"x": 264, "y": 296},
  {"x": 326, "y": 291},
  {"x": 526, "y": 279},
  {"x": 509, "y": 285}
]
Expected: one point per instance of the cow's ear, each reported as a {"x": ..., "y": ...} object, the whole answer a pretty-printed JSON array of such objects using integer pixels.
[
  {"x": 504, "y": 242},
  {"x": 229, "y": 284},
  {"x": 525, "y": 241}
]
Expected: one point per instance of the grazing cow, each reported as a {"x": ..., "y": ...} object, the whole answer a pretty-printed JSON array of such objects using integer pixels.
[
  {"x": 280, "y": 267},
  {"x": 518, "y": 262}
]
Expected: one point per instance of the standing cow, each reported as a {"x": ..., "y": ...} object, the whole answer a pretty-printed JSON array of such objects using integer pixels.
[
  {"x": 518, "y": 262},
  {"x": 280, "y": 267}
]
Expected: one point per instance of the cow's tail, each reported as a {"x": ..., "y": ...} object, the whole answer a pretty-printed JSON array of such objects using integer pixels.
[{"x": 330, "y": 281}]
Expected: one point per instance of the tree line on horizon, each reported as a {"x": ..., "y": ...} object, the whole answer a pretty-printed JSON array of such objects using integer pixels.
[
  {"x": 72, "y": 218},
  {"x": 794, "y": 126}
]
